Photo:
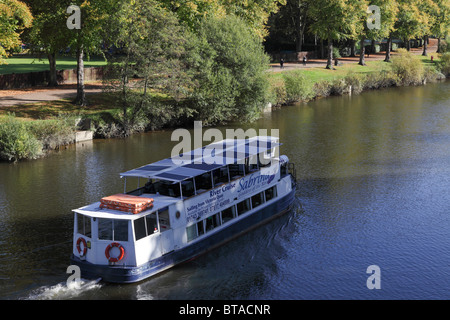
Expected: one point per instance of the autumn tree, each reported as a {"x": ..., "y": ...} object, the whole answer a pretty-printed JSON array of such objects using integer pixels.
[
  {"x": 14, "y": 17},
  {"x": 385, "y": 11},
  {"x": 408, "y": 23},
  {"x": 336, "y": 20},
  {"x": 254, "y": 12},
  {"x": 441, "y": 25}
]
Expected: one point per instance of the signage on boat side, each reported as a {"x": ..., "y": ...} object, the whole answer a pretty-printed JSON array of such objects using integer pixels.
[{"x": 221, "y": 197}]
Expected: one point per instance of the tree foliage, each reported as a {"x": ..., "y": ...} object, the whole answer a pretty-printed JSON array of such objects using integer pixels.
[
  {"x": 14, "y": 17},
  {"x": 150, "y": 45},
  {"x": 230, "y": 65}
]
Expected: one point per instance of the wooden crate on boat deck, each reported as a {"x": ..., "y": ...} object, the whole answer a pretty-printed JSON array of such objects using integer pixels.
[{"x": 126, "y": 202}]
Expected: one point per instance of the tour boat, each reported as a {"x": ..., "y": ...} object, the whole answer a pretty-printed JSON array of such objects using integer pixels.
[{"x": 183, "y": 209}]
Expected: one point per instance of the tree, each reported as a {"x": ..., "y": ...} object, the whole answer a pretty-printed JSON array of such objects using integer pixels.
[
  {"x": 150, "y": 45},
  {"x": 441, "y": 25},
  {"x": 335, "y": 20},
  {"x": 408, "y": 23},
  {"x": 14, "y": 17},
  {"x": 254, "y": 12},
  {"x": 230, "y": 69},
  {"x": 386, "y": 14},
  {"x": 89, "y": 39},
  {"x": 290, "y": 22},
  {"x": 48, "y": 33},
  {"x": 430, "y": 13}
]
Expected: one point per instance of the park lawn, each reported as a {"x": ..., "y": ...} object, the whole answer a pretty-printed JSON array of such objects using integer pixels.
[{"x": 29, "y": 63}]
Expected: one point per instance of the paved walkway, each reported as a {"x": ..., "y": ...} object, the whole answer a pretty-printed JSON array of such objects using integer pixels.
[
  {"x": 33, "y": 95},
  {"x": 318, "y": 63}
]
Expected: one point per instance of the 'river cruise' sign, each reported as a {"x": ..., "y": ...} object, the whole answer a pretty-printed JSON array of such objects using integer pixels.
[{"x": 220, "y": 197}]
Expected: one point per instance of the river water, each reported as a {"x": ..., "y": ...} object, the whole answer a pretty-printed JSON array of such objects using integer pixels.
[{"x": 374, "y": 181}]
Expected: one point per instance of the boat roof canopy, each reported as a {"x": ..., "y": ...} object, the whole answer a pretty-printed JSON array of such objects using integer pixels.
[{"x": 205, "y": 159}]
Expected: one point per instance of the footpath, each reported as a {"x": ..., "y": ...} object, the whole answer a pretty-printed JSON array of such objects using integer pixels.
[
  {"x": 39, "y": 94},
  {"x": 321, "y": 63}
]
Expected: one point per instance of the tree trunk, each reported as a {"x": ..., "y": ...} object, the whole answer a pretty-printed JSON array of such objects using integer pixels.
[
  {"x": 330, "y": 54},
  {"x": 81, "y": 94},
  {"x": 53, "y": 81},
  {"x": 408, "y": 44},
  {"x": 388, "y": 49},
  {"x": 352, "y": 48},
  {"x": 425, "y": 45},
  {"x": 362, "y": 61},
  {"x": 439, "y": 45},
  {"x": 372, "y": 47},
  {"x": 321, "y": 49}
]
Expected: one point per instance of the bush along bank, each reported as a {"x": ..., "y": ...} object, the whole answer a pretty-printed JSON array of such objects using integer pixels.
[
  {"x": 406, "y": 70},
  {"x": 21, "y": 140}
]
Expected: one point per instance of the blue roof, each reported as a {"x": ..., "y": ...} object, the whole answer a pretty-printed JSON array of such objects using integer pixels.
[{"x": 205, "y": 159}]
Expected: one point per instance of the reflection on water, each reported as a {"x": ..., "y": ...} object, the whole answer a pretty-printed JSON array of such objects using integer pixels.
[{"x": 374, "y": 174}]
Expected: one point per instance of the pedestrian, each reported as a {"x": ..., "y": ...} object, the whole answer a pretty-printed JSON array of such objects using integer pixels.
[
  {"x": 281, "y": 63},
  {"x": 304, "y": 60}
]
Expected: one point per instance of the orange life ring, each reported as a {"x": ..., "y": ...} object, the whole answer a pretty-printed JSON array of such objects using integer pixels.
[
  {"x": 109, "y": 247},
  {"x": 79, "y": 241}
]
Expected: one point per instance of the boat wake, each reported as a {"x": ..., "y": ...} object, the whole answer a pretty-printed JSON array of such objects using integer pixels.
[{"x": 63, "y": 291}]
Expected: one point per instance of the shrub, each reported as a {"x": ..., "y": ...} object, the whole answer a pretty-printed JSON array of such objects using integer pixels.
[
  {"x": 53, "y": 133},
  {"x": 16, "y": 142},
  {"x": 356, "y": 81},
  {"x": 277, "y": 91},
  {"x": 408, "y": 68},
  {"x": 444, "y": 64},
  {"x": 322, "y": 89},
  {"x": 298, "y": 88}
]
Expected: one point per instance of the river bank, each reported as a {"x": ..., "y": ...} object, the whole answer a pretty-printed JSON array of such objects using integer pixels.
[{"x": 32, "y": 139}]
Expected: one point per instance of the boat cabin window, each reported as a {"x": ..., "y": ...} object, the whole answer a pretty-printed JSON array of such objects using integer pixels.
[
  {"x": 271, "y": 193},
  {"x": 251, "y": 164},
  {"x": 257, "y": 199},
  {"x": 220, "y": 176},
  {"x": 203, "y": 182},
  {"x": 163, "y": 187},
  {"x": 145, "y": 226},
  {"x": 228, "y": 214},
  {"x": 243, "y": 206},
  {"x": 112, "y": 229},
  {"x": 236, "y": 171},
  {"x": 200, "y": 228},
  {"x": 213, "y": 222},
  {"x": 187, "y": 187},
  {"x": 191, "y": 232},
  {"x": 148, "y": 225},
  {"x": 84, "y": 225},
  {"x": 164, "y": 221}
]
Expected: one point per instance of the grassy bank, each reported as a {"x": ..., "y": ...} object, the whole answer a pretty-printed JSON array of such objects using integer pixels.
[{"x": 405, "y": 69}]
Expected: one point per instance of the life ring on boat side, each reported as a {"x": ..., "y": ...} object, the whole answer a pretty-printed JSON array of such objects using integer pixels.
[
  {"x": 79, "y": 241},
  {"x": 108, "y": 249}
]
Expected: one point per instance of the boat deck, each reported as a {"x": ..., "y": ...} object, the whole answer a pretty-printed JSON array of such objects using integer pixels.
[{"x": 95, "y": 211}]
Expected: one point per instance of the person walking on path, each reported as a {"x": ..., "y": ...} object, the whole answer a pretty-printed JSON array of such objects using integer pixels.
[
  {"x": 281, "y": 63},
  {"x": 304, "y": 60}
]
